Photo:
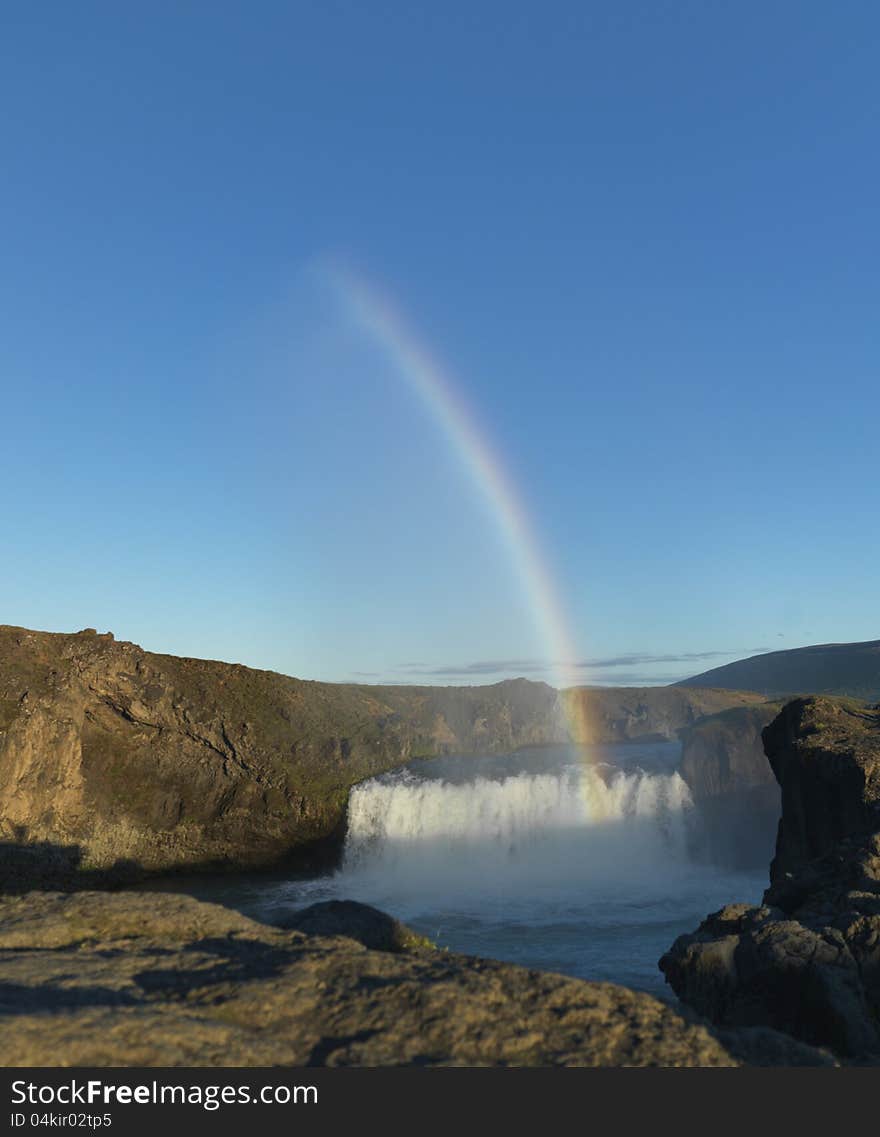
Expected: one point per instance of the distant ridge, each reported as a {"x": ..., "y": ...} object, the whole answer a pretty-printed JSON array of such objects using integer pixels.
[{"x": 824, "y": 669}]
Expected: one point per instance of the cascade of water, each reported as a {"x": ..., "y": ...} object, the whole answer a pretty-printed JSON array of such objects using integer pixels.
[
  {"x": 560, "y": 829},
  {"x": 535, "y": 858}
]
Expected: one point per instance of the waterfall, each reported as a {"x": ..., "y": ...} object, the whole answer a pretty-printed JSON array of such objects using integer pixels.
[
  {"x": 563, "y": 829},
  {"x": 535, "y": 858}
]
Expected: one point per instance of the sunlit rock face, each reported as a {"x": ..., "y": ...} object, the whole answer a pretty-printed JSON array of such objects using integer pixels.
[
  {"x": 808, "y": 961},
  {"x": 114, "y": 760}
]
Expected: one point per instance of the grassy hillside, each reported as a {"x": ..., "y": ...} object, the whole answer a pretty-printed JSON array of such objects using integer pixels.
[{"x": 824, "y": 669}]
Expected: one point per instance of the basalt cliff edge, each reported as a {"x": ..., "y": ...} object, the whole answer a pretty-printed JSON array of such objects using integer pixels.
[{"x": 807, "y": 961}]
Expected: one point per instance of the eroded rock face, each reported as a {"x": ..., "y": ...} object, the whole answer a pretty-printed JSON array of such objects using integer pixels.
[
  {"x": 752, "y": 966},
  {"x": 630, "y": 714},
  {"x": 825, "y": 754},
  {"x": 114, "y": 760},
  {"x": 808, "y": 961},
  {"x": 733, "y": 786},
  {"x": 723, "y": 754},
  {"x": 125, "y": 979}
]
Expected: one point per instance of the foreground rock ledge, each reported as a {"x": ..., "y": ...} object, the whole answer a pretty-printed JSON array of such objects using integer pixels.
[
  {"x": 807, "y": 962},
  {"x": 152, "y": 979}
]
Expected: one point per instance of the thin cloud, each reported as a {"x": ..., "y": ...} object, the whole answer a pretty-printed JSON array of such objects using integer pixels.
[
  {"x": 480, "y": 667},
  {"x": 647, "y": 679},
  {"x": 639, "y": 659},
  {"x": 538, "y": 666}
]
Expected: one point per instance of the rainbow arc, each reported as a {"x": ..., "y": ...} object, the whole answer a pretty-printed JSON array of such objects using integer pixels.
[{"x": 375, "y": 313}]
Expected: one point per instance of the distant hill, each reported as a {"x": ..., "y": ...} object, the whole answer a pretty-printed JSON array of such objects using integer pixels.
[{"x": 824, "y": 669}]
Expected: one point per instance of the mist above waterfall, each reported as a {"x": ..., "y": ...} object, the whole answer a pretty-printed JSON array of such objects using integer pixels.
[{"x": 566, "y": 829}]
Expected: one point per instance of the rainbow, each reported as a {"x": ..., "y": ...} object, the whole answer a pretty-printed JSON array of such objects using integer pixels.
[{"x": 371, "y": 310}]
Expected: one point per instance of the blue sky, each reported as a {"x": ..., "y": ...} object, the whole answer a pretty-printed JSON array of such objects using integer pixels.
[{"x": 641, "y": 237}]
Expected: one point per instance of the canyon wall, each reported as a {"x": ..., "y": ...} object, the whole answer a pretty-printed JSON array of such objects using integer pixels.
[
  {"x": 806, "y": 961},
  {"x": 115, "y": 761}
]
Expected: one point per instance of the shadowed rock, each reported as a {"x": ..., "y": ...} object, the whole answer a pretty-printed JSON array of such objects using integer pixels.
[
  {"x": 362, "y": 922},
  {"x": 808, "y": 961},
  {"x": 821, "y": 669},
  {"x": 826, "y": 757},
  {"x": 733, "y": 786}
]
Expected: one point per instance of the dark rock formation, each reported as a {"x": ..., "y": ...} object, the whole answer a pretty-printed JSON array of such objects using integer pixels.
[
  {"x": 115, "y": 761},
  {"x": 362, "y": 922},
  {"x": 641, "y": 714},
  {"x": 724, "y": 753},
  {"x": 808, "y": 961},
  {"x": 823, "y": 669},
  {"x": 826, "y": 757},
  {"x": 154, "y": 979},
  {"x": 754, "y": 966},
  {"x": 733, "y": 786}
]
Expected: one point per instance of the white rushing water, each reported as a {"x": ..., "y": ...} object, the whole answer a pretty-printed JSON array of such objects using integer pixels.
[
  {"x": 489, "y": 838},
  {"x": 535, "y": 858}
]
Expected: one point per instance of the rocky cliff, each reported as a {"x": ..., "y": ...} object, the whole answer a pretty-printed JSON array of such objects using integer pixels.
[
  {"x": 826, "y": 757},
  {"x": 724, "y": 754},
  {"x": 807, "y": 961},
  {"x": 116, "y": 760},
  {"x": 733, "y": 786},
  {"x": 114, "y": 755},
  {"x": 629, "y": 714}
]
